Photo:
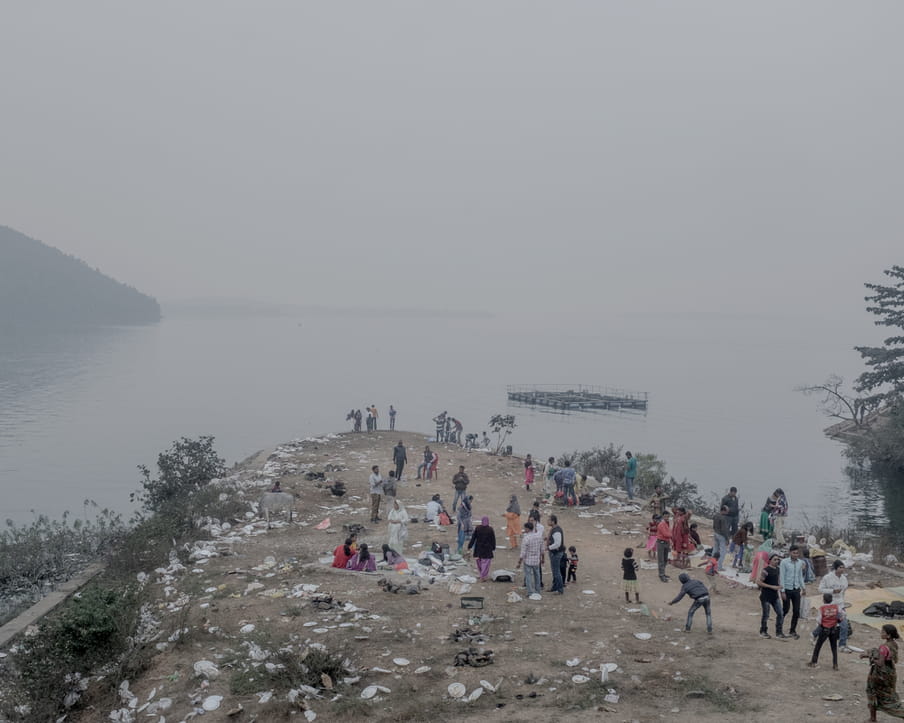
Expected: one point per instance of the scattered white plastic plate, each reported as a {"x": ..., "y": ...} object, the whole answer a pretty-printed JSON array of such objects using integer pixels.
[
  {"x": 401, "y": 661},
  {"x": 475, "y": 694},
  {"x": 589, "y": 592},
  {"x": 535, "y": 596},
  {"x": 212, "y": 702},
  {"x": 369, "y": 692},
  {"x": 422, "y": 669},
  {"x": 457, "y": 690},
  {"x": 321, "y": 630},
  {"x": 573, "y": 662},
  {"x": 611, "y": 667},
  {"x": 488, "y": 685},
  {"x": 642, "y": 636},
  {"x": 579, "y": 679}
]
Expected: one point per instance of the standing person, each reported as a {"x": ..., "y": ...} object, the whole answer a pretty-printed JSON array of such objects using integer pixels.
[
  {"x": 768, "y": 583},
  {"x": 565, "y": 478},
  {"x": 460, "y": 482},
  {"x": 465, "y": 525},
  {"x": 440, "y": 421},
  {"x": 399, "y": 458},
  {"x": 512, "y": 517},
  {"x": 370, "y": 419},
  {"x": 882, "y": 682},
  {"x": 572, "y": 565},
  {"x": 376, "y": 416},
  {"x": 483, "y": 542},
  {"x": 528, "y": 472},
  {"x": 766, "y": 516},
  {"x": 459, "y": 428},
  {"x": 539, "y": 528},
  {"x": 697, "y": 591},
  {"x": 432, "y": 472},
  {"x": 740, "y": 542},
  {"x": 630, "y": 475},
  {"x": 549, "y": 484},
  {"x": 556, "y": 548},
  {"x": 663, "y": 538},
  {"x": 681, "y": 537},
  {"x": 830, "y": 619},
  {"x": 651, "y": 536},
  {"x": 779, "y": 514},
  {"x": 791, "y": 578},
  {"x": 835, "y": 583},
  {"x": 721, "y": 526},
  {"x": 358, "y": 420},
  {"x": 734, "y": 512},
  {"x": 425, "y": 465},
  {"x": 392, "y": 413},
  {"x": 376, "y": 493},
  {"x": 389, "y": 490},
  {"x": 398, "y": 526},
  {"x": 532, "y": 557},
  {"x": 629, "y": 575},
  {"x": 657, "y": 501}
]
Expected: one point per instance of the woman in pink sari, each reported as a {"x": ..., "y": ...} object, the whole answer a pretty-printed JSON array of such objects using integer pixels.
[
  {"x": 681, "y": 537},
  {"x": 483, "y": 541}
]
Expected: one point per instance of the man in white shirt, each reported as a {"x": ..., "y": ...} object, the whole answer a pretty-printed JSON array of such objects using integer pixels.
[
  {"x": 376, "y": 493},
  {"x": 835, "y": 583}
]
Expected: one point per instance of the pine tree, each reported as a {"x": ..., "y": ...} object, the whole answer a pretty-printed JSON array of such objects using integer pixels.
[{"x": 884, "y": 382}]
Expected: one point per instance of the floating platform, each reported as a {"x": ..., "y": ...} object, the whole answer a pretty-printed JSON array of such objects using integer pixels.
[{"x": 577, "y": 398}]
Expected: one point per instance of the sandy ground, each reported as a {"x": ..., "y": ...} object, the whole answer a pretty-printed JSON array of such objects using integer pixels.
[{"x": 730, "y": 675}]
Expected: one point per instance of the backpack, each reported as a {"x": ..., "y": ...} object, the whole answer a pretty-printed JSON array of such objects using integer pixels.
[
  {"x": 896, "y": 607},
  {"x": 877, "y": 610}
]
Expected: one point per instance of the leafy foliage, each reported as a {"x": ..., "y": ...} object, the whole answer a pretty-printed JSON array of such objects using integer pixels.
[
  {"x": 502, "y": 426},
  {"x": 885, "y": 379},
  {"x": 188, "y": 466}
]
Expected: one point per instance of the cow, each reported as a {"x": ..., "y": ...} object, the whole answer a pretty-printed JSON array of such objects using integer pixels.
[{"x": 276, "y": 502}]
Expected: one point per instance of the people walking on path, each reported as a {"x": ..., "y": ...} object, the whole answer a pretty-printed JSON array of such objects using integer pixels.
[
  {"x": 483, "y": 542},
  {"x": 629, "y": 575},
  {"x": 791, "y": 578},
  {"x": 882, "y": 681},
  {"x": 399, "y": 458},
  {"x": 376, "y": 493},
  {"x": 768, "y": 583},
  {"x": 663, "y": 538},
  {"x": 556, "y": 548},
  {"x": 513, "y": 522},
  {"x": 392, "y": 416},
  {"x": 460, "y": 482},
  {"x": 831, "y": 617},
  {"x": 531, "y": 557},
  {"x": 630, "y": 475},
  {"x": 699, "y": 595}
]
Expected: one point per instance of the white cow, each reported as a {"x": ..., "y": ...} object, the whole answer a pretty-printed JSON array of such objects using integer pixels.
[{"x": 276, "y": 502}]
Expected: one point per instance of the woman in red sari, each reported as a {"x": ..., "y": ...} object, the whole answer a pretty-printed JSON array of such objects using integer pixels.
[{"x": 681, "y": 537}]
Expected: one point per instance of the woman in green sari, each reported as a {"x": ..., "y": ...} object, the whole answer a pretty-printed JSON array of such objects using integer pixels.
[{"x": 881, "y": 684}]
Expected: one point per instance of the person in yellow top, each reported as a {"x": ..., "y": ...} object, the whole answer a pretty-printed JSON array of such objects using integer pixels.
[{"x": 512, "y": 515}]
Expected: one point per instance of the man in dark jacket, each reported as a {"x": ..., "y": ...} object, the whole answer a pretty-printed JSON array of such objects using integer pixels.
[
  {"x": 555, "y": 544},
  {"x": 460, "y": 482},
  {"x": 399, "y": 457},
  {"x": 697, "y": 592},
  {"x": 721, "y": 526},
  {"x": 734, "y": 513}
]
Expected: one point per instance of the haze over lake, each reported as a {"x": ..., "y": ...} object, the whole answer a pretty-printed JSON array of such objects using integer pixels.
[{"x": 82, "y": 409}]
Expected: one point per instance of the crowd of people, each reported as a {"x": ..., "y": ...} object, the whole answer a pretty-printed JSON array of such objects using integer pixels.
[
  {"x": 370, "y": 418},
  {"x": 673, "y": 538}
]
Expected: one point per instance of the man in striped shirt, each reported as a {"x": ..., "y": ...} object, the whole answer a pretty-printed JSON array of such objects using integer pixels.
[{"x": 532, "y": 557}]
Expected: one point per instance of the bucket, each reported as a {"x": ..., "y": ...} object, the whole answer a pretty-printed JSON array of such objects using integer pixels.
[{"x": 820, "y": 567}]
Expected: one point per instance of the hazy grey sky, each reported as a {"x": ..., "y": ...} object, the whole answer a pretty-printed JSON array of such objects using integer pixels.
[{"x": 649, "y": 155}]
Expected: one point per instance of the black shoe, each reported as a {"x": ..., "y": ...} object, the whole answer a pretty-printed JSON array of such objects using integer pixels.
[
  {"x": 764, "y": 634},
  {"x": 782, "y": 636},
  {"x": 663, "y": 578},
  {"x": 795, "y": 636}
]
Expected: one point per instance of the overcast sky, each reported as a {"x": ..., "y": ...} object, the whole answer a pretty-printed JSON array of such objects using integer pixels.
[{"x": 680, "y": 156}]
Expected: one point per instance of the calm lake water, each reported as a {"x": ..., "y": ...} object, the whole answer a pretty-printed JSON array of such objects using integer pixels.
[{"x": 79, "y": 410}]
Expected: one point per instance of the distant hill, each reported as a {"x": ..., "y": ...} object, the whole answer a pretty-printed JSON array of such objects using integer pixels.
[{"x": 41, "y": 285}]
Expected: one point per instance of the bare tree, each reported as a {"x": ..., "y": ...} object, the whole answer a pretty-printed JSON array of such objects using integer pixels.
[{"x": 836, "y": 402}]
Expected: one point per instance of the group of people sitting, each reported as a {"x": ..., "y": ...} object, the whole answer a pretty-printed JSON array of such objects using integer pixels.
[{"x": 350, "y": 556}]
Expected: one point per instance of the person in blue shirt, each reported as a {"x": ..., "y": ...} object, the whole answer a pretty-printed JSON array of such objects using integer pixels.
[
  {"x": 630, "y": 474},
  {"x": 791, "y": 579}
]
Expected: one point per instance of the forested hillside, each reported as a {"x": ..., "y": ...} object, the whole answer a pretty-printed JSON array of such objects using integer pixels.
[{"x": 41, "y": 285}]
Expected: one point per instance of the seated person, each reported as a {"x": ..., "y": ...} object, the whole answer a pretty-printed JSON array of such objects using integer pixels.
[
  {"x": 343, "y": 553},
  {"x": 434, "y": 507},
  {"x": 393, "y": 558},
  {"x": 362, "y": 561}
]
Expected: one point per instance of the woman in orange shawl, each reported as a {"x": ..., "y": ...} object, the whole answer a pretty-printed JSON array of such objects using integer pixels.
[
  {"x": 681, "y": 537},
  {"x": 512, "y": 517}
]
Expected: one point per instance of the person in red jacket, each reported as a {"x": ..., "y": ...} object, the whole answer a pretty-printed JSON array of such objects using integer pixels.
[{"x": 663, "y": 541}]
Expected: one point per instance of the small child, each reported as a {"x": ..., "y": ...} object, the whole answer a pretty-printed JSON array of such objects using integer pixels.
[
  {"x": 651, "y": 536},
  {"x": 572, "y": 564},
  {"x": 695, "y": 536},
  {"x": 830, "y": 617},
  {"x": 712, "y": 569},
  {"x": 740, "y": 543},
  {"x": 629, "y": 575}
]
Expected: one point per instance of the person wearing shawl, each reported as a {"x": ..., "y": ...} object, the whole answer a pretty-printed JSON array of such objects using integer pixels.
[
  {"x": 393, "y": 558},
  {"x": 362, "y": 560},
  {"x": 483, "y": 542},
  {"x": 465, "y": 523},
  {"x": 398, "y": 526},
  {"x": 513, "y": 520},
  {"x": 881, "y": 683},
  {"x": 766, "y": 516},
  {"x": 681, "y": 537}
]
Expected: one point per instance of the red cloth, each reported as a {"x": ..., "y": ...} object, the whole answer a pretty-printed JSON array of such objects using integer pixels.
[{"x": 340, "y": 559}]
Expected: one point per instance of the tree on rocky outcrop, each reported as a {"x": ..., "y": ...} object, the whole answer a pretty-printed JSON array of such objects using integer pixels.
[{"x": 501, "y": 425}]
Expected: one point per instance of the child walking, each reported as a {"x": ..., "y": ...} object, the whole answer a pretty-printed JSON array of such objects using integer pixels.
[
  {"x": 651, "y": 536},
  {"x": 572, "y": 564},
  {"x": 740, "y": 543},
  {"x": 830, "y": 617},
  {"x": 629, "y": 575},
  {"x": 712, "y": 569}
]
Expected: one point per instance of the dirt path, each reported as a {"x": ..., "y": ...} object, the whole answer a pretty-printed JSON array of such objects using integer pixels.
[{"x": 730, "y": 675}]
